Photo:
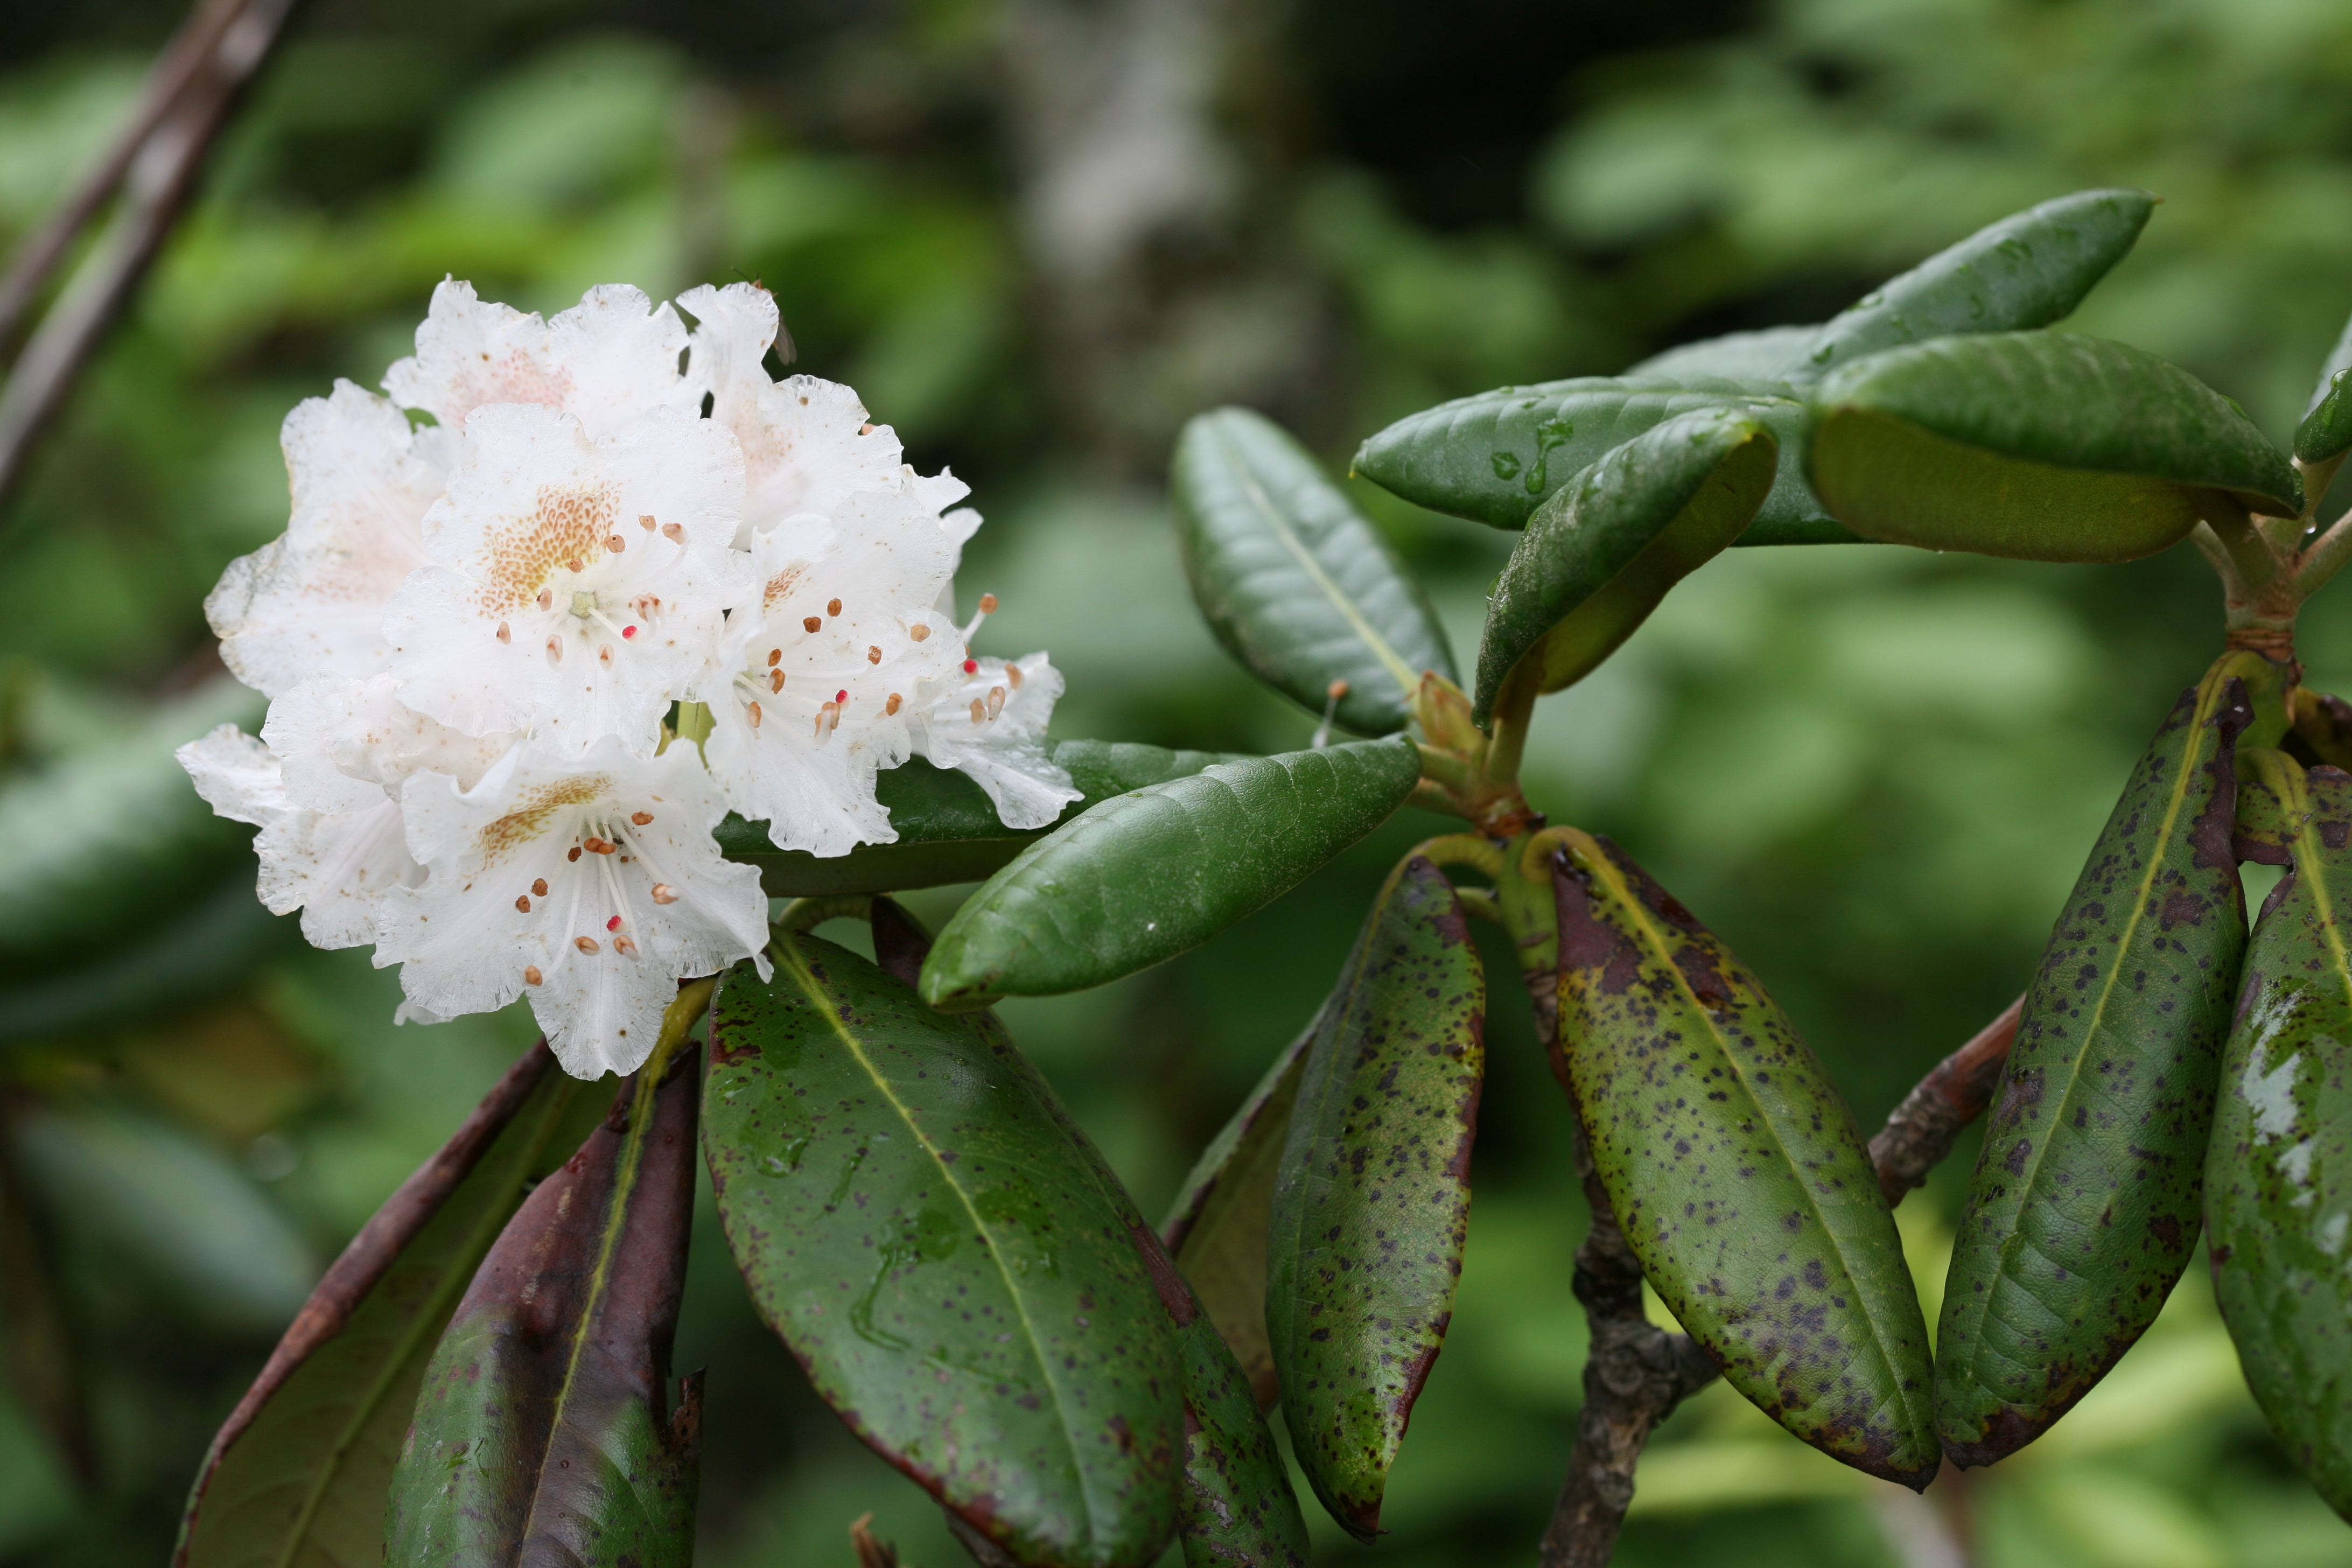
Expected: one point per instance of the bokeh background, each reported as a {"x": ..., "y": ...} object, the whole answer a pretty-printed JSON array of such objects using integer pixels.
[{"x": 1037, "y": 235}]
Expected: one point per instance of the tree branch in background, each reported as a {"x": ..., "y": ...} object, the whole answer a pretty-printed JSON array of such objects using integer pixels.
[
  {"x": 187, "y": 105},
  {"x": 1636, "y": 1373}
]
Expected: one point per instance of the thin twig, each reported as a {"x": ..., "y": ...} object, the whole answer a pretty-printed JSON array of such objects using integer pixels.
[
  {"x": 1636, "y": 1373},
  {"x": 156, "y": 179}
]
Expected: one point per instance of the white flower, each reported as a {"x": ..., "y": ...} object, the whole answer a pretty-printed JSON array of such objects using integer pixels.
[
  {"x": 594, "y": 886},
  {"x": 824, "y": 655},
  {"x": 575, "y": 583},
  {"x": 607, "y": 360},
  {"x": 311, "y": 602},
  {"x": 807, "y": 444},
  {"x": 347, "y": 745},
  {"x": 989, "y": 720}
]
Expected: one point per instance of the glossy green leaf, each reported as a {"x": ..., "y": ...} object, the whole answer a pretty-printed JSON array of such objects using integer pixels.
[
  {"x": 2278, "y": 1171},
  {"x": 114, "y": 840},
  {"x": 2028, "y": 271},
  {"x": 1217, "y": 1226},
  {"x": 1372, "y": 1203},
  {"x": 1768, "y": 353},
  {"x": 2041, "y": 445},
  {"x": 948, "y": 827},
  {"x": 1604, "y": 550},
  {"x": 541, "y": 1434},
  {"x": 915, "y": 1222},
  {"x": 298, "y": 1476},
  {"x": 2327, "y": 428},
  {"x": 1156, "y": 872},
  {"x": 1298, "y": 586},
  {"x": 2084, "y": 1206},
  {"x": 1738, "y": 1173},
  {"x": 1498, "y": 457}
]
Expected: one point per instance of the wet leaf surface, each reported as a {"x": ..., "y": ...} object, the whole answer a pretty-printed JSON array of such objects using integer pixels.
[
  {"x": 917, "y": 1220},
  {"x": 2278, "y": 1172},
  {"x": 2083, "y": 1205},
  {"x": 1148, "y": 875},
  {"x": 543, "y": 1432},
  {"x": 1297, "y": 584},
  {"x": 2327, "y": 428},
  {"x": 1371, "y": 1202},
  {"x": 1738, "y": 1173},
  {"x": 298, "y": 1476}
]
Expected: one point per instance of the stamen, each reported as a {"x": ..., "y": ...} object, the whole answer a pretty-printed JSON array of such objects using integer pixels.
[
  {"x": 892, "y": 706},
  {"x": 531, "y": 974},
  {"x": 641, "y": 817},
  {"x": 556, "y": 650},
  {"x": 920, "y": 631},
  {"x": 624, "y": 947},
  {"x": 616, "y": 544},
  {"x": 775, "y": 657},
  {"x": 540, "y": 887},
  {"x": 628, "y": 632},
  {"x": 587, "y": 944},
  {"x": 612, "y": 924},
  {"x": 835, "y": 722},
  {"x": 506, "y": 634},
  {"x": 818, "y": 733},
  {"x": 833, "y": 607},
  {"x": 873, "y": 655},
  {"x": 663, "y": 893},
  {"x": 987, "y": 609},
  {"x": 575, "y": 853},
  {"x": 775, "y": 680},
  {"x": 596, "y": 846},
  {"x": 1012, "y": 675},
  {"x": 674, "y": 534},
  {"x": 755, "y": 715},
  {"x": 646, "y": 520},
  {"x": 523, "y": 903},
  {"x": 1331, "y": 695},
  {"x": 995, "y": 701},
  {"x": 810, "y": 623},
  {"x": 988, "y": 603},
  {"x": 979, "y": 712}
]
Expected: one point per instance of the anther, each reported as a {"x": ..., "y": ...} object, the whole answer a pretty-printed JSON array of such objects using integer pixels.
[
  {"x": 818, "y": 732},
  {"x": 575, "y": 853},
  {"x": 1331, "y": 695},
  {"x": 556, "y": 650},
  {"x": 646, "y": 520},
  {"x": 971, "y": 666},
  {"x": 531, "y": 974},
  {"x": 841, "y": 696},
  {"x": 873, "y": 655},
  {"x": 1012, "y": 675},
  {"x": 641, "y": 817},
  {"x": 587, "y": 944},
  {"x": 505, "y": 633},
  {"x": 810, "y": 623},
  {"x": 775, "y": 680},
  {"x": 523, "y": 903},
  {"x": 627, "y": 632},
  {"x": 754, "y": 711},
  {"x": 892, "y": 706},
  {"x": 547, "y": 598},
  {"x": 624, "y": 947},
  {"x": 920, "y": 631},
  {"x": 612, "y": 924},
  {"x": 540, "y": 887},
  {"x": 616, "y": 544},
  {"x": 995, "y": 701},
  {"x": 596, "y": 846},
  {"x": 978, "y": 711},
  {"x": 775, "y": 657},
  {"x": 663, "y": 893},
  {"x": 988, "y": 603},
  {"x": 674, "y": 534},
  {"x": 577, "y": 565},
  {"x": 833, "y": 607}
]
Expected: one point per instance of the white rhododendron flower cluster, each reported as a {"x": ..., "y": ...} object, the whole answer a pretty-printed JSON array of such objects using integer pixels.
[{"x": 474, "y": 626}]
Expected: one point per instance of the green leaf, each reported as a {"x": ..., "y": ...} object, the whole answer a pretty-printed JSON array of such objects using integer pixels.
[
  {"x": 1299, "y": 586},
  {"x": 1738, "y": 1173},
  {"x": 299, "y": 1472},
  {"x": 2327, "y": 428},
  {"x": 123, "y": 840},
  {"x": 948, "y": 827},
  {"x": 1602, "y": 552},
  {"x": 1372, "y": 1199},
  {"x": 1768, "y": 353},
  {"x": 540, "y": 1433},
  {"x": 1160, "y": 870},
  {"x": 918, "y": 1225},
  {"x": 1217, "y": 1226},
  {"x": 1498, "y": 457},
  {"x": 2278, "y": 1171},
  {"x": 2082, "y": 1209},
  {"x": 2026, "y": 272},
  {"x": 2040, "y": 445},
  {"x": 1238, "y": 1505}
]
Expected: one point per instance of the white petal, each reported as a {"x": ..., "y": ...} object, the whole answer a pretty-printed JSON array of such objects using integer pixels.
[
  {"x": 236, "y": 774},
  {"x": 311, "y": 602},
  {"x": 344, "y": 743},
  {"x": 1005, "y": 754},
  {"x": 607, "y": 360}
]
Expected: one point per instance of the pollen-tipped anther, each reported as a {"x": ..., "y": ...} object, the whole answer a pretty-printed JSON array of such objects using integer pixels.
[
  {"x": 587, "y": 944},
  {"x": 596, "y": 846},
  {"x": 810, "y": 623},
  {"x": 995, "y": 701},
  {"x": 920, "y": 631},
  {"x": 751, "y": 710},
  {"x": 978, "y": 711},
  {"x": 641, "y": 817},
  {"x": 674, "y": 534},
  {"x": 522, "y": 903},
  {"x": 530, "y": 975},
  {"x": 663, "y": 893}
]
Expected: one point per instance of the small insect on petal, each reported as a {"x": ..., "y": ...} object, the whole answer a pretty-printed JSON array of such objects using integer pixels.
[
  {"x": 624, "y": 947},
  {"x": 988, "y": 603},
  {"x": 920, "y": 631},
  {"x": 971, "y": 666},
  {"x": 616, "y": 544},
  {"x": 752, "y": 711},
  {"x": 873, "y": 655},
  {"x": 540, "y": 887},
  {"x": 995, "y": 701},
  {"x": 574, "y": 855},
  {"x": 612, "y": 924},
  {"x": 523, "y": 903},
  {"x": 587, "y": 944},
  {"x": 663, "y": 893},
  {"x": 775, "y": 657},
  {"x": 1012, "y": 675},
  {"x": 891, "y": 706},
  {"x": 674, "y": 534},
  {"x": 505, "y": 633},
  {"x": 646, "y": 520},
  {"x": 531, "y": 974},
  {"x": 833, "y": 607},
  {"x": 641, "y": 817},
  {"x": 979, "y": 712},
  {"x": 810, "y": 623},
  {"x": 627, "y": 632},
  {"x": 596, "y": 846},
  {"x": 775, "y": 680}
]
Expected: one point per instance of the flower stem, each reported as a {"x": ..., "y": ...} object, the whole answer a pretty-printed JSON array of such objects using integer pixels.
[{"x": 807, "y": 914}]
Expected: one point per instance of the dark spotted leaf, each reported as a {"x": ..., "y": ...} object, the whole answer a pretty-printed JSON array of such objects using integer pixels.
[
  {"x": 1217, "y": 1226},
  {"x": 1298, "y": 586},
  {"x": 948, "y": 827},
  {"x": 2327, "y": 428},
  {"x": 1737, "y": 1172},
  {"x": 2278, "y": 1172},
  {"x": 2084, "y": 1206},
  {"x": 916, "y": 1221},
  {"x": 2028, "y": 271},
  {"x": 1498, "y": 457},
  {"x": 2040, "y": 445},
  {"x": 541, "y": 1434},
  {"x": 1150, "y": 875},
  {"x": 1372, "y": 1201},
  {"x": 1602, "y": 553},
  {"x": 300, "y": 1473}
]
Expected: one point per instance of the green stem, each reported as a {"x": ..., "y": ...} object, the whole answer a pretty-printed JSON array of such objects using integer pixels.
[
  {"x": 2325, "y": 557},
  {"x": 1480, "y": 903},
  {"x": 1463, "y": 850},
  {"x": 2256, "y": 562},
  {"x": 807, "y": 914},
  {"x": 1514, "y": 708}
]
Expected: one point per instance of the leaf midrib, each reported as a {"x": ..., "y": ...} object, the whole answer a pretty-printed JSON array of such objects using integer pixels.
[{"x": 814, "y": 993}]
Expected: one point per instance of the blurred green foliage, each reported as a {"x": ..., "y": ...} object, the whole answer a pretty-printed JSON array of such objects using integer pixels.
[{"x": 1875, "y": 773}]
